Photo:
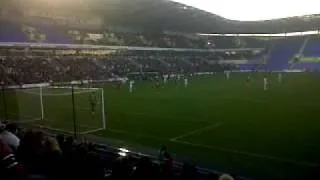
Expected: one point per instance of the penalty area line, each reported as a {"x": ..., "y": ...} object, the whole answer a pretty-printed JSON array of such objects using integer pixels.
[
  {"x": 196, "y": 131},
  {"x": 249, "y": 154},
  {"x": 221, "y": 149},
  {"x": 136, "y": 134},
  {"x": 27, "y": 121},
  {"x": 92, "y": 131}
]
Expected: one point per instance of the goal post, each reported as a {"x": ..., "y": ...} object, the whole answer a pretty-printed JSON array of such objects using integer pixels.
[
  {"x": 70, "y": 109},
  {"x": 41, "y": 103}
]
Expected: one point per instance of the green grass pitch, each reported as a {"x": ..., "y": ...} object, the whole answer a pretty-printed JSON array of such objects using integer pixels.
[{"x": 226, "y": 124}]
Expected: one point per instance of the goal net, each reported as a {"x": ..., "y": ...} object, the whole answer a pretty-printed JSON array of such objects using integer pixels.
[{"x": 66, "y": 109}]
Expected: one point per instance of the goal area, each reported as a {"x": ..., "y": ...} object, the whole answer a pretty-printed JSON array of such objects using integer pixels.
[{"x": 68, "y": 109}]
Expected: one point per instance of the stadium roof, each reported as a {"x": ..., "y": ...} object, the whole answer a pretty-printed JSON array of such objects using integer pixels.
[
  {"x": 168, "y": 15},
  {"x": 158, "y": 15},
  {"x": 255, "y": 10}
]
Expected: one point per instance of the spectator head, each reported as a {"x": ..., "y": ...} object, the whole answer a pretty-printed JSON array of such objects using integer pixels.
[
  {"x": 163, "y": 149},
  {"x": 9, "y": 135},
  {"x": 69, "y": 141},
  {"x": 52, "y": 145},
  {"x": 189, "y": 171},
  {"x": 2, "y": 127},
  {"x": 226, "y": 177},
  {"x": 33, "y": 140},
  {"x": 13, "y": 128},
  {"x": 60, "y": 139},
  {"x": 212, "y": 176},
  {"x": 68, "y": 144},
  {"x": 9, "y": 167},
  {"x": 145, "y": 162}
]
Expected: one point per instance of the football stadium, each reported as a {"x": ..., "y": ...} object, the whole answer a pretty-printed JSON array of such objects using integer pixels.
[{"x": 144, "y": 89}]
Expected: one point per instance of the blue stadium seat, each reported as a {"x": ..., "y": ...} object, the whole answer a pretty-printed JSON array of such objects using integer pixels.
[
  {"x": 307, "y": 66},
  {"x": 312, "y": 47},
  {"x": 282, "y": 52},
  {"x": 10, "y": 32},
  {"x": 54, "y": 34}
]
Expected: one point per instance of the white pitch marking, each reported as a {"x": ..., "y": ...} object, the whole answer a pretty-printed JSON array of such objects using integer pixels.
[
  {"x": 136, "y": 134},
  {"x": 256, "y": 100},
  {"x": 146, "y": 114},
  {"x": 92, "y": 131},
  {"x": 226, "y": 150},
  {"x": 54, "y": 129},
  {"x": 57, "y": 94},
  {"x": 244, "y": 153},
  {"x": 167, "y": 117},
  {"x": 27, "y": 121},
  {"x": 196, "y": 131}
]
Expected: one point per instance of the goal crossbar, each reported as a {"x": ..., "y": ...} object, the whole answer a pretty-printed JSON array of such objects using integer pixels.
[
  {"x": 72, "y": 91},
  {"x": 74, "y": 87}
]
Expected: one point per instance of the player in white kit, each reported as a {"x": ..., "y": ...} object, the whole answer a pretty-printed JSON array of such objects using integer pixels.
[
  {"x": 228, "y": 74},
  {"x": 131, "y": 86},
  {"x": 265, "y": 83},
  {"x": 185, "y": 82},
  {"x": 280, "y": 77},
  {"x": 165, "y": 78}
]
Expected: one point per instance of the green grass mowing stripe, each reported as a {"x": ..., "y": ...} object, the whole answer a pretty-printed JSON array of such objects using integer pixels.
[
  {"x": 244, "y": 153},
  {"x": 135, "y": 134},
  {"x": 195, "y": 131},
  {"x": 157, "y": 127},
  {"x": 221, "y": 149},
  {"x": 169, "y": 117},
  {"x": 282, "y": 120},
  {"x": 146, "y": 115},
  {"x": 65, "y": 126}
]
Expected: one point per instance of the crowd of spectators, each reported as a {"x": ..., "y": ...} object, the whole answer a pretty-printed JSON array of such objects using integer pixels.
[
  {"x": 147, "y": 39},
  {"x": 35, "y": 155},
  {"x": 164, "y": 40},
  {"x": 35, "y": 68},
  {"x": 117, "y": 38}
]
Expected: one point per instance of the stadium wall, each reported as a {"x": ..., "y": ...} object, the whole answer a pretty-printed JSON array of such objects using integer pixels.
[{"x": 25, "y": 86}]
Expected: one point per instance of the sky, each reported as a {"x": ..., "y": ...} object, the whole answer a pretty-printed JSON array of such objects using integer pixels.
[{"x": 254, "y": 10}]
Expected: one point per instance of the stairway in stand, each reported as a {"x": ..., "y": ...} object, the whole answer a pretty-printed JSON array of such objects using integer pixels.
[{"x": 282, "y": 52}]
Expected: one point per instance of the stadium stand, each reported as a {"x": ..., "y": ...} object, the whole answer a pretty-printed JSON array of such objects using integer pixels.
[
  {"x": 37, "y": 69},
  {"x": 47, "y": 156},
  {"x": 47, "y": 51},
  {"x": 32, "y": 32},
  {"x": 282, "y": 51},
  {"x": 308, "y": 57},
  {"x": 11, "y": 32}
]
